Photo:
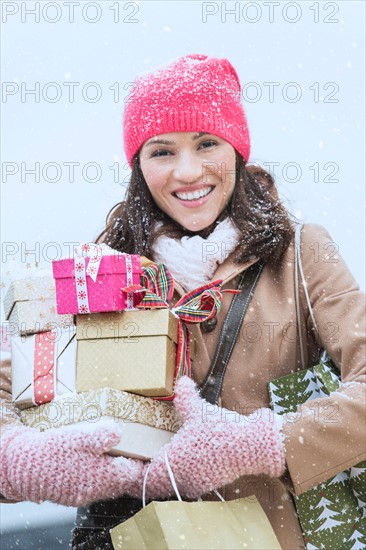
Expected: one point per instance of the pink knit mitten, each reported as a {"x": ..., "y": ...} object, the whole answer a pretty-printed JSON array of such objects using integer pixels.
[
  {"x": 212, "y": 450},
  {"x": 64, "y": 466}
]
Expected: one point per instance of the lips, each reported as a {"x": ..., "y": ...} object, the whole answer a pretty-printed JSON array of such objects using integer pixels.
[{"x": 193, "y": 194}]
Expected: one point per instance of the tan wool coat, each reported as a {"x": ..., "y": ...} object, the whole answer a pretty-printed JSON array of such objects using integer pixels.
[{"x": 328, "y": 435}]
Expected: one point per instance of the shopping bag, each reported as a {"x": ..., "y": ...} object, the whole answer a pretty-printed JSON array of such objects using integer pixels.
[
  {"x": 176, "y": 524},
  {"x": 332, "y": 514}
]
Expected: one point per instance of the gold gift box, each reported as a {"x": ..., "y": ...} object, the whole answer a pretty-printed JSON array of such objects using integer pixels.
[
  {"x": 146, "y": 424},
  {"x": 30, "y": 306},
  {"x": 134, "y": 351},
  {"x": 22, "y": 358}
]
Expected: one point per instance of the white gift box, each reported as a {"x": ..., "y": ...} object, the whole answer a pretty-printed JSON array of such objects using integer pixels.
[
  {"x": 137, "y": 440},
  {"x": 30, "y": 306},
  {"x": 26, "y": 375}
]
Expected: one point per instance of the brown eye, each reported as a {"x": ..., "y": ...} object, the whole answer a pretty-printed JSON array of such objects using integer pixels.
[
  {"x": 160, "y": 153},
  {"x": 208, "y": 143}
]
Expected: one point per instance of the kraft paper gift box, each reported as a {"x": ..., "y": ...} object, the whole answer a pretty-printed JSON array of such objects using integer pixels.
[
  {"x": 30, "y": 306},
  {"x": 93, "y": 284},
  {"x": 43, "y": 365},
  {"x": 134, "y": 351},
  {"x": 332, "y": 514},
  {"x": 146, "y": 424}
]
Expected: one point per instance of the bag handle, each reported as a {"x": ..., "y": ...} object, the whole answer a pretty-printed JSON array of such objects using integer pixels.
[
  {"x": 172, "y": 480},
  {"x": 299, "y": 268},
  {"x": 211, "y": 387}
]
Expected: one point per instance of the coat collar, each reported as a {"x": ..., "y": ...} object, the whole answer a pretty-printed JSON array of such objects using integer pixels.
[{"x": 228, "y": 270}]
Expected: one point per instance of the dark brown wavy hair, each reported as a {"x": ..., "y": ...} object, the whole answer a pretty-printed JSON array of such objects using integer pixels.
[{"x": 254, "y": 208}]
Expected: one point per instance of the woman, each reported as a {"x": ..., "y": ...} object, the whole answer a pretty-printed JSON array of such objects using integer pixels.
[{"x": 194, "y": 205}]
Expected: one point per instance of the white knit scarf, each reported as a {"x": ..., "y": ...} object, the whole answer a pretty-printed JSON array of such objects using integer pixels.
[{"x": 193, "y": 260}]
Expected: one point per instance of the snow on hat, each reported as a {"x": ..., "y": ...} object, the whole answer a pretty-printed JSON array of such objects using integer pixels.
[{"x": 196, "y": 93}]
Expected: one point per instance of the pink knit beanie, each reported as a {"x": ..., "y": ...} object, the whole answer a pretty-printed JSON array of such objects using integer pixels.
[{"x": 196, "y": 93}]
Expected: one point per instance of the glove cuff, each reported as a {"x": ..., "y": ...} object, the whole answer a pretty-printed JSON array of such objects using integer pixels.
[{"x": 270, "y": 442}]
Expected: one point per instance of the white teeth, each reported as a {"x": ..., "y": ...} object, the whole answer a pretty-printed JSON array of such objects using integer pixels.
[{"x": 194, "y": 195}]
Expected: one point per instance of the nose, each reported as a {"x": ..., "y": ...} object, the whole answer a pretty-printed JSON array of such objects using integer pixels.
[{"x": 187, "y": 167}]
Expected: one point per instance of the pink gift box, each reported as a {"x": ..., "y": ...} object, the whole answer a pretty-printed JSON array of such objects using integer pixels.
[{"x": 103, "y": 294}]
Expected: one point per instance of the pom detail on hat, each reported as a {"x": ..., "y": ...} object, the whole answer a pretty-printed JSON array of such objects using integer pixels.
[{"x": 196, "y": 93}]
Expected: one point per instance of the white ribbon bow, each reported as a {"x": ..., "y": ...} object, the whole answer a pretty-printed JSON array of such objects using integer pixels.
[{"x": 95, "y": 252}]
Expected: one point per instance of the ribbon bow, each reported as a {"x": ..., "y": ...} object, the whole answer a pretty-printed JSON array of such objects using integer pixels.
[
  {"x": 196, "y": 306},
  {"x": 95, "y": 252}
]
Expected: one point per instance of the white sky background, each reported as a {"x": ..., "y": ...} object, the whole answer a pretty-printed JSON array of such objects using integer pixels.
[
  {"x": 319, "y": 56},
  {"x": 317, "y": 140}
]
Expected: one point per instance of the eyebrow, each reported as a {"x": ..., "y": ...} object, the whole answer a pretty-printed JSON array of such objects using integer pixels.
[{"x": 154, "y": 141}]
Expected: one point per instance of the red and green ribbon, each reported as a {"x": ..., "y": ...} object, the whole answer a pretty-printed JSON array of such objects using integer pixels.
[{"x": 196, "y": 306}]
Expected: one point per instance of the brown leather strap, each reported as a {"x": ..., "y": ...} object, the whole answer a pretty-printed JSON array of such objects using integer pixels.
[{"x": 211, "y": 387}]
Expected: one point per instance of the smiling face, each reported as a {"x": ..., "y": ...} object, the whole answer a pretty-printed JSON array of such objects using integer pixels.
[{"x": 191, "y": 176}]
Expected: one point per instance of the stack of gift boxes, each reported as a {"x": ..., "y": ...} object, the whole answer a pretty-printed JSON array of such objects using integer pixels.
[{"x": 118, "y": 363}]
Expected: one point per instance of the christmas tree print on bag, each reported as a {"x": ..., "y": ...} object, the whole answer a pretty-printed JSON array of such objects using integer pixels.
[
  {"x": 333, "y": 514},
  {"x": 358, "y": 484}
]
